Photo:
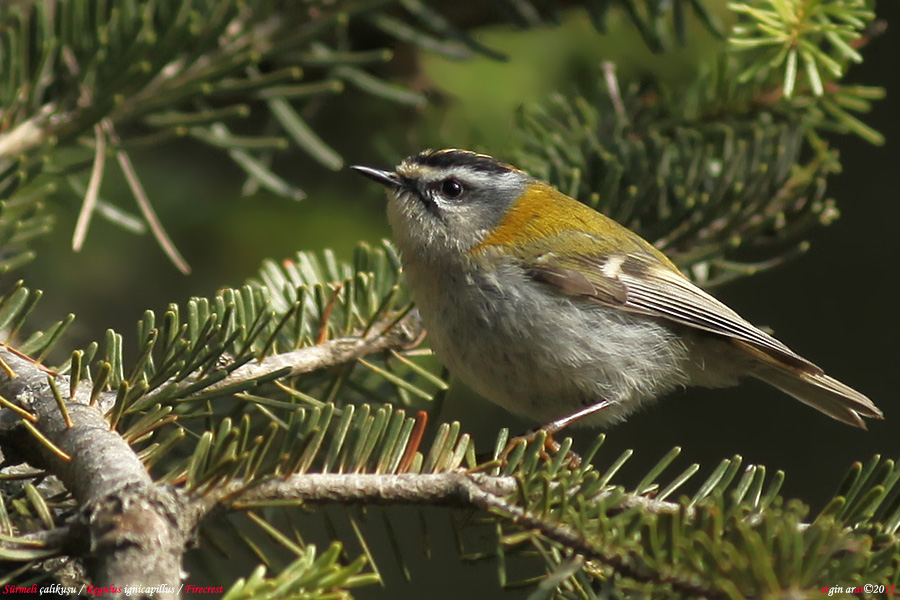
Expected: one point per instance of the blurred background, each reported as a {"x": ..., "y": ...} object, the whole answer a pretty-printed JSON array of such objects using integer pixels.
[{"x": 836, "y": 305}]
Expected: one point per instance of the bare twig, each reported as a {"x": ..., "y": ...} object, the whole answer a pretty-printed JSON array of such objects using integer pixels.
[
  {"x": 436, "y": 489},
  {"x": 615, "y": 96},
  {"x": 140, "y": 196},
  {"x": 93, "y": 189}
]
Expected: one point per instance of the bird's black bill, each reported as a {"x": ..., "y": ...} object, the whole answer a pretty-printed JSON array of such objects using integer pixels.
[{"x": 388, "y": 178}]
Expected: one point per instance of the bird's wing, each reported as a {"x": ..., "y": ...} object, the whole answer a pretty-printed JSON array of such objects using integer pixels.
[{"x": 642, "y": 282}]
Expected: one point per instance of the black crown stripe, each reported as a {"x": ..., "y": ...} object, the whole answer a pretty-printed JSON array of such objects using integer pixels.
[{"x": 442, "y": 159}]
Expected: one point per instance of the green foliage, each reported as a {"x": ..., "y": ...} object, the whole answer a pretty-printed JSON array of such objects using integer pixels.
[
  {"x": 293, "y": 305},
  {"x": 735, "y": 537},
  {"x": 723, "y": 200},
  {"x": 183, "y": 363},
  {"x": 819, "y": 35},
  {"x": 726, "y": 173},
  {"x": 660, "y": 23},
  {"x": 579, "y": 535},
  {"x": 307, "y": 577},
  {"x": 801, "y": 51},
  {"x": 22, "y": 219},
  {"x": 86, "y": 80}
]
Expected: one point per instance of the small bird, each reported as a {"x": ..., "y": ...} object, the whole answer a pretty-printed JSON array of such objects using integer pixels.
[{"x": 558, "y": 313}]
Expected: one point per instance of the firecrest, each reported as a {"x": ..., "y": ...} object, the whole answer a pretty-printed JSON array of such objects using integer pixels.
[{"x": 558, "y": 313}]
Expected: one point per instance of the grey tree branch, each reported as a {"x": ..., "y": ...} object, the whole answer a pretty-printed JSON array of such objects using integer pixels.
[
  {"x": 133, "y": 530},
  {"x": 435, "y": 489},
  {"x": 455, "y": 489},
  {"x": 331, "y": 353},
  {"x": 334, "y": 352}
]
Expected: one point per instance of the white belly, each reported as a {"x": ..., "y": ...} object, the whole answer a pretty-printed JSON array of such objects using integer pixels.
[{"x": 541, "y": 354}]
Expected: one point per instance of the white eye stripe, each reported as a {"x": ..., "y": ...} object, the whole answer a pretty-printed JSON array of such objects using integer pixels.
[{"x": 472, "y": 178}]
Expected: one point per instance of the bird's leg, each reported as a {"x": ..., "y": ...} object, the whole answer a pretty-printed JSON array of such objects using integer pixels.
[
  {"x": 560, "y": 424},
  {"x": 553, "y": 427}
]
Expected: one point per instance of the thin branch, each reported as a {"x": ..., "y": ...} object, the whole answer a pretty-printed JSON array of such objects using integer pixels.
[
  {"x": 49, "y": 538},
  {"x": 334, "y": 352},
  {"x": 140, "y": 196},
  {"x": 433, "y": 489},
  {"x": 27, "y": 135},
  {"x": 612, "y": 83},
  {"x": 328, "y": 354},
  {"x": 455, "y": 489},
  {"x": 93, "y": 189},
  {"x": 573, "y": 539},
  {"x": 436, "y": 489}
]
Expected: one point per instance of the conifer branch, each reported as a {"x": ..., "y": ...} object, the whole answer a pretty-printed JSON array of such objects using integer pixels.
[
  {"x": 492, "y": 494},
  {"x": 134, "y": 530},
  {"x": 458, "y": 489},
  {"x": 386, "y": 335}
]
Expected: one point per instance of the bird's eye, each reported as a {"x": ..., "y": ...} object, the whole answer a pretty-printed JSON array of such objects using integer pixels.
[{"x": 451, "y": 188}]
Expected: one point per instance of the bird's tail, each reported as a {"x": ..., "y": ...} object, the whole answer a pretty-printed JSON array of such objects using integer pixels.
[{"x": 818, "y": 390}]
